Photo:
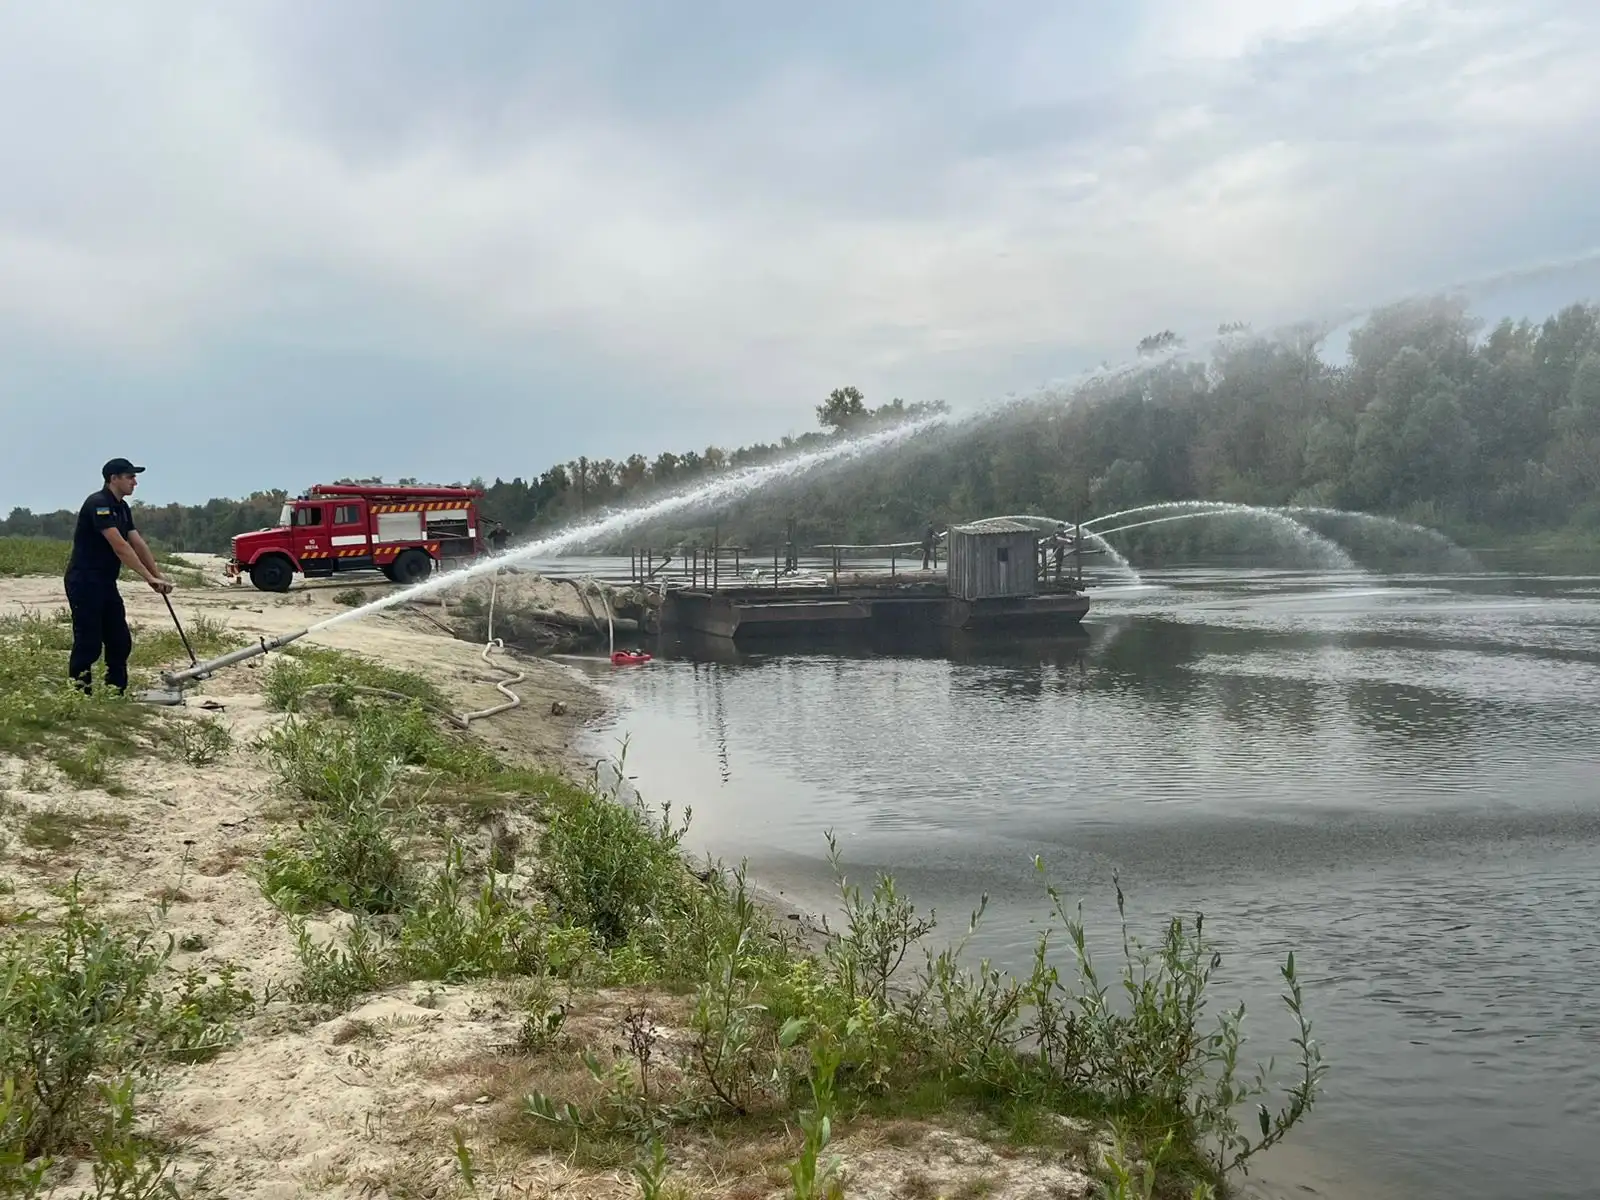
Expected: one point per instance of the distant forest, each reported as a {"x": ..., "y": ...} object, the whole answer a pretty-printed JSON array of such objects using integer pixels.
[{"x": 1431, "y": 418}]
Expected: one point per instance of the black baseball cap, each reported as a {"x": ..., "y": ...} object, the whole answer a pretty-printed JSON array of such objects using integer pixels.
[{"x": 119, "y": 466}]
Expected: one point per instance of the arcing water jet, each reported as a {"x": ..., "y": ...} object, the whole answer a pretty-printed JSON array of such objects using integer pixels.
[
  {"x": 1333, "y": 554},
  {"x": 728, "y": 487},
  {"x": 1406, "y": 527},
  {"x": 1287, "y": 512}
]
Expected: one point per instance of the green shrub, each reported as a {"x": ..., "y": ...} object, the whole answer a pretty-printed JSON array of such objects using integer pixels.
[
  {"x": 81, "y": 1005},
  {"x": 609, "y": 865},
  {"x": 339, "y": 970},
  {"x": 327, "y": 763},
  {"x": 351, "y": 855},
  {"x": 444, "y": 937}
]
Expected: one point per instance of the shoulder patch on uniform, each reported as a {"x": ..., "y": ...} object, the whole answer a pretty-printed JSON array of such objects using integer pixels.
[{"x": 102, "y": 512}]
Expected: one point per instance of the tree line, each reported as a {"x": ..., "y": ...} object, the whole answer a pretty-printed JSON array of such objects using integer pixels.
[{"x": 1429, "y": 417}]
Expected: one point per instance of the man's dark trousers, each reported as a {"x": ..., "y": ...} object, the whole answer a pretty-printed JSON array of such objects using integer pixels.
[{"x": 99, "y": 622}]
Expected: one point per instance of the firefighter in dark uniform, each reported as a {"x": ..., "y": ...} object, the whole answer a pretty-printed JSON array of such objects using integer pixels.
[
  {"x": 498, "y": 537},
  {"x": 103, "y": 542}
]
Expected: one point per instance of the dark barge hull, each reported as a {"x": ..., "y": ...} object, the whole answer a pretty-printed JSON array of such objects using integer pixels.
[{"x": 745, "y": 615}]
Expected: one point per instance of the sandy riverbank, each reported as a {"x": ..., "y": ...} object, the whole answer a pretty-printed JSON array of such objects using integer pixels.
[
  {"x": 294, "y": 1110},
  {"x": 316, "y": 1101}
]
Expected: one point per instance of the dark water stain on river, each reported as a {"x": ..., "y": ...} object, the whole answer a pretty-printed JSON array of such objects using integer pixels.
[{"x": 1398, "y": 778}]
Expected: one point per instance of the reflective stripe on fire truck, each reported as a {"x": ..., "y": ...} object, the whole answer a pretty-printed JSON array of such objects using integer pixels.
[
  {"x": 429, "y": 507},
  {"x": 361, "y": 551}
]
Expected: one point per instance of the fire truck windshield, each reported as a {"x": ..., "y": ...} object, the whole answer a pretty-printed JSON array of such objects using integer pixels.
[{"x": 286, "y": 517}]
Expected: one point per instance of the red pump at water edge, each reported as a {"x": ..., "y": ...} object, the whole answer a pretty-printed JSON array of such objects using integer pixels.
[{"x": 628, "y": 658}]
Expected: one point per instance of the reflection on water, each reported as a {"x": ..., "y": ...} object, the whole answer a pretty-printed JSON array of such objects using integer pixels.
[{"x": 1394, "y": 777}]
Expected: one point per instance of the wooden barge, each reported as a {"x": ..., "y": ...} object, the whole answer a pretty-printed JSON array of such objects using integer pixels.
[{"x": 995, "y": 580}]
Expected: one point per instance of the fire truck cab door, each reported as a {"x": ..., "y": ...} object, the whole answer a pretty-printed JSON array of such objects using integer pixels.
[{"x": 310, "y": 527}]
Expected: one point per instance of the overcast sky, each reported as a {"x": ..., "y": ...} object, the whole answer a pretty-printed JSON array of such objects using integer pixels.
[{"x": 257, "y": 245}]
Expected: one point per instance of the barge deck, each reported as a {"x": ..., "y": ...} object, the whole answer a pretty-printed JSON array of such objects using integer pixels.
[
  {"x": 890, "y": 606},
  {"x": 997, "y": 577}
]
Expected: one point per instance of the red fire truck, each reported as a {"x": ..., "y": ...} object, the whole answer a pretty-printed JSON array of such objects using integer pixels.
[{"x": 402, "y": 531}]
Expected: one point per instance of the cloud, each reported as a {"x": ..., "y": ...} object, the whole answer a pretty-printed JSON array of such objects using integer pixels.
[{"x": 715, "y": 211}]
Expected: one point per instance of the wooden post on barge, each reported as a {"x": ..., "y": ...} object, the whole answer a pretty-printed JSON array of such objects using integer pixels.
[
  {"x": 716, "y": 557},
  {"x": 836, "y": 569},
  {"x": 1077, "y": 550}
]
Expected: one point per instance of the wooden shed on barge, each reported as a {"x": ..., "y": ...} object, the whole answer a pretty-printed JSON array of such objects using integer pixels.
[{"x": 993, "y": 560}]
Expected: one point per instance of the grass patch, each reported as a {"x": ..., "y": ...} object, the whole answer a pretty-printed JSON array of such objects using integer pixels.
[
  {"x": 43, "y": 716},
  {"x": 59, "y": 831},
  {"x": 48, "y": 556},
  {"x": 324, "y": 761},
  {"x": 89, "y": 768},
  {"x": 33, "y": 556},
  {"x": 162, "y": 647},
  {"x": 40, "y": 710},
  {"x": 335, "y": 674},
  {"x": 451, "y": 932},
  {"x": 350, "y": 597}
]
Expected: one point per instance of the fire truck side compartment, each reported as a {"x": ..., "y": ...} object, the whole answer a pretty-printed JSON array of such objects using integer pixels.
[
  {"x": 451, "y": 528},
  {"x": 400, "y": 527}
]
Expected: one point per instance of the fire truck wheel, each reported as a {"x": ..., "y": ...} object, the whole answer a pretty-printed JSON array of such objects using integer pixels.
[
  {"x": 274, "y": 573},
  {"x": 412, "y": 567}
]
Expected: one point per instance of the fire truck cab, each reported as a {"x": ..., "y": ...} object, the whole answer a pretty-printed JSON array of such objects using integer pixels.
[{"x": 404, "y": 532}]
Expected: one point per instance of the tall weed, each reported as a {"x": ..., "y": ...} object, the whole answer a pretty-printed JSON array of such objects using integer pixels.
[
  {"x": 812, "y": 1176},
  {"x": 733, "y": 1041},
  {"x": 879, "y": 933}
]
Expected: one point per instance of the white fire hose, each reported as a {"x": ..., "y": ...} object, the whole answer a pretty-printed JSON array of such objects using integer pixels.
[{"x": 504, "y": 685}]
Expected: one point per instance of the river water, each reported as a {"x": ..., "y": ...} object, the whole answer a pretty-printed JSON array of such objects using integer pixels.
[{"x": 1396, "y": 777}]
